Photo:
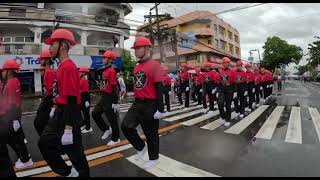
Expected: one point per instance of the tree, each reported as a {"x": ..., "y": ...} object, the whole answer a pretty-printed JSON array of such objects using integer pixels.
[
  {"x": 302, "y": 69},
  {"x": 314, "y": 53},
  {"x": 278, "y": 51},
  {"x": 128, "y": 66}
]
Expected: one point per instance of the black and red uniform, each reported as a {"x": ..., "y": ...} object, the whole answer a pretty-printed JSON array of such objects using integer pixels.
[
  {"x": 269, "y": 84},
  {"x": 110, "y": 90},
  {"x": 263, "y": 92},
  {"x": 257, "y": 82},
  {"x": 47, "y": 101},
  {"x": 85, "y": 97},
  {"x": 166, "y": 80},
  {"x": 251, "y": 87},
  {"x": 12, "y": 100},
  {"x": 241, "y": 88},
  {"x": 6, "y": 167},
  {"x": 148, "y": 93},
  {"x": 199, "y": 80},
  {"x": 208, "y": 85},
  {"x": 183, "y": 79},
  {"x": 67, "y": 98},
  {"x": 226, "y": 87}
]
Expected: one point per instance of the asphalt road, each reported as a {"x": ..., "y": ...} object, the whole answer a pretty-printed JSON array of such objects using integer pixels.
[{"x": 280, "y": 138}]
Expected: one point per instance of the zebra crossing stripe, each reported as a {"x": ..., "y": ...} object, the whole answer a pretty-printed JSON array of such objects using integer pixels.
[
  {"x": 172, "y": 107},
  {"x": 316, "y": 119},
  {"x": 217, "y": 123},
  {"x": 168, "y": 167},
  {"x": 181, "y": 110},
  {"x": 199, "y": 119},
  {"x": 174, "y": 118},
  {"x": 244, "y": 123},
  {"x": 294, "y": 134},
  {"x": 267, "y": 129}
]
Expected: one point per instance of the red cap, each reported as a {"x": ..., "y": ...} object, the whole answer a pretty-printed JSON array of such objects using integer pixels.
[
  {"x": 61, "y": 34},
  {"x": 11, "y": 64},
  {"x": 239, "y": 63},
  {"x": 110, "y": 54},
  {"x": 84, "y": 69},
  {"x": 141, "y": 41}
]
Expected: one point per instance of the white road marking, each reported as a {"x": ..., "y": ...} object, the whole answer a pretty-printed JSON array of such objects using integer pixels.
[
  {"x": 244, "y": 123},
  {"x": 217, "y": 123},
  {"x": 267, "y": 129},
  {"x": 294, "y": 134},
  {"x": 168, "y": 167},
  {"x": 199, "y": 119},
  {"x": 316, "y": 119},
  {"x": 174, "y": 118}
]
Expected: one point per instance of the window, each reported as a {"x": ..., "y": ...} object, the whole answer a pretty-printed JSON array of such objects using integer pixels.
[
  {"x": 19, "y": 12},
  {"x": 217, "y": 43},
  {"x": 231, "y": 48},
  {"x": 18, "y": 46},
  {"x": 6, "y": 39},
  {"x": 222, "y": 30},
  {"x": 237, "y": 51},
  {"x": 208, "y": 26},
  {"x": 29, "y": 39},
  {"x": 192, "y": 57},
  {"x": 223, "y": 45},
  {"x": 209, "y": 57},
  {"x": 19, "y": 39},
  {"x": 209, "y": 41},
  {"x": 7, "y": 49},
  {"x": 236, "y": 38},
  {"x": 215, "y": 27},
  {"x": 230, "y": 35}
]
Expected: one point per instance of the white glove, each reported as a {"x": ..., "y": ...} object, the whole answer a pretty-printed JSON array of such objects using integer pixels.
[
  {"x": 87, "y": 104},
  {"x": 235, "y": 94},
  {"x": 116, "y": 108},
  {"x": 213, "y": 90},
  {"x": 52, "y": 112},
  {"x": 16, "y": 125},
  {"x": 245, "y": 93},
  {"x": 261, "y": 88},
  {"x": 187, "y": 88},
  {"x": 158, "y": 115},
  {"x": 67, "y": 137},
  {"x": 200, "y": 90},
  {"x": 253, "y": 90}
]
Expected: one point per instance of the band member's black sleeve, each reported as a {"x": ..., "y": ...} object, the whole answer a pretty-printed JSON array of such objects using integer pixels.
[
  {"x": 70, "y": 110},
  {"x": 159, "y": 103},
  {"x": 114, "y": 94}
]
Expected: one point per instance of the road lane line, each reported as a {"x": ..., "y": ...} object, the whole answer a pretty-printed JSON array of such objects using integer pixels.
[
  {"x": 244, "y": 123},
  {"x": 217, "y": 123},
  {"x": 174, "y": 118},
  {"x": 267, "y": 129},
  {"x": 316, "y": 119},
  {"x": 199, "y": 119},
  {"x": 168, "y": 167},
  {"x": 294, "y": 134},
  {"x": 176, "y": 106}
]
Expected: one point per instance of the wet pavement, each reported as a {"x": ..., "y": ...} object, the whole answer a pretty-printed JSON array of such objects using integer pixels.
[{"x": 215, "y": 151}]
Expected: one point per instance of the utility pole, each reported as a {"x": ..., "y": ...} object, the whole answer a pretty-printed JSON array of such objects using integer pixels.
[
  {"x": 175, "y": 46},
  {"x": 151, "y": 31},
  {"x": 159, "y": 32}
]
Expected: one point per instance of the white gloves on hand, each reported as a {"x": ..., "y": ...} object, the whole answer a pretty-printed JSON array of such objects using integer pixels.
[
  {"x": 16, "y": 125},
  {"x": 253, "y": 90},
  {"x": 116, "y": 108},
  {"x": 87, "y": 104},
  {"x": 187, "y": 88},
  {"x": 158, "y": 115},
  {"x": 52, "y": 112},
  {"x": 235, "y": 94},
  {"x": 67, "y": 137},
  {"x": 245, "y": 93},
  {"x": 261, "y": 88},
  {"x": 213, "y": 90},
  {"x": 200, "y": 90}
]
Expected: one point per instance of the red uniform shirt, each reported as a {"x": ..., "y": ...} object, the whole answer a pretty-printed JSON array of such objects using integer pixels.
[
  {"x": 67, "y": 82},
  {"x": 166, "y": 80},
  {"x": 227, "y": 77},
  {"x": 263, "y": 78},
  {"x": 2, "y": 110},
  {"x": 269, "y": 78},
  {"x": 48, "y": 78},
  {"x": 199, "y": 79},
  {"x": 12, "y": 93},
  {"x": 250, "y": 77},
  {"x": 145, "y": 76},
  {"x": 109, "y": 79},
  {"x": 241, "y": 77},
  {"x": 84, "y": 84},
  {"x": 183, "y": 76},
  {"x": 209, "y": 76},
  {"x": 257, "y": 79}
]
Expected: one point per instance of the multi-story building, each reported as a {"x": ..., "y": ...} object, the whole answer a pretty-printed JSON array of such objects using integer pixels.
[
  {"x": 25, "y": 26},
  {"x": 202, "y": 36}
]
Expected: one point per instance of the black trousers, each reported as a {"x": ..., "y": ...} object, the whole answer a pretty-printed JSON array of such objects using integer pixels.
[
  {"x": 167, "y": 100},
  {"x": 6, "y": 166},
  {"x": 265, "y": 90},
  {"x": 141, "y": 112},
  {"x": 279, "y": 85},
  {"x": 50, "y": 145},
  {"x": 224, "y": 101},
  {"x": 43, "y": 112},
  {"x": 257, "y": 93},
  {"x": 240, "y": 108},
  {"x": 251, "y": 95},
  {"x": 85, "y": 111},
  {"x": 105, "y": 106},
  {"x": 181, "y": 90},
  {"x": 198, "y": 94},
  {"x": 207, "y": 91}
]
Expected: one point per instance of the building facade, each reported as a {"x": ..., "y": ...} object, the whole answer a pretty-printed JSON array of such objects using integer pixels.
[
  {"x": 202, "y": 37},
  {"x": 25, "y": 26}
]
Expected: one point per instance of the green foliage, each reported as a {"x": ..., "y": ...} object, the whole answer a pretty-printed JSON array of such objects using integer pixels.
[
  {"x": 278, "y": 51},
  {"x": 128, "y": 66},
  {"x": 314, "y": 53}
]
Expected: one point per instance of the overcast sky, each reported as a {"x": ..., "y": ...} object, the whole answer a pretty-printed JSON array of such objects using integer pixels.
[{"x": 297, "y": 23}]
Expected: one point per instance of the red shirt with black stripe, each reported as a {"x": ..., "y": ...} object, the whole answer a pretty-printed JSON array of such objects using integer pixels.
[{"x": 48, "y": 78}]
